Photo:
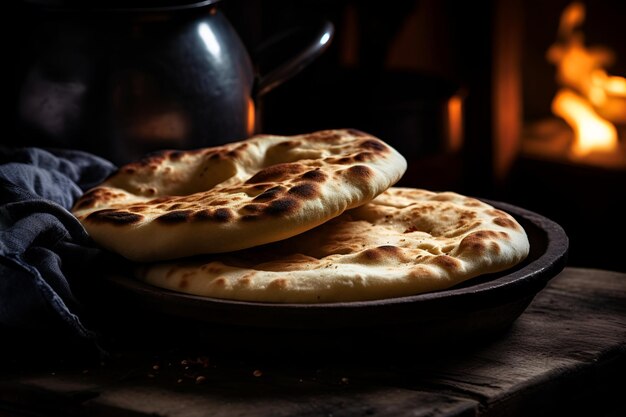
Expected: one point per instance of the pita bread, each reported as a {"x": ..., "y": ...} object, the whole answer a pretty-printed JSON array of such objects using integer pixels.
[
  {"x": 406, "y": 241},
  {"x": 182, "y": 203}
]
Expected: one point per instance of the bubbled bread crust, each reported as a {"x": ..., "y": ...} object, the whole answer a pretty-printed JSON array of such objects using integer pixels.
[
  {"x": 174, "y": 204},
  {"x": 406, "y": 241}
]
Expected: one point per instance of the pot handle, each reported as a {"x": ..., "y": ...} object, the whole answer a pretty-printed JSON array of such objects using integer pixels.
[{"x": 296, "y": 62}]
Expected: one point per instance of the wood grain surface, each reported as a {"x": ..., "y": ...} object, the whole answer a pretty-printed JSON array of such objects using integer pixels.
[{"x": 565, "y": 355}]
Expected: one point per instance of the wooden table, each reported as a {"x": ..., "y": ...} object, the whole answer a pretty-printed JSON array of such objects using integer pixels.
[{"x": 566, "y": 355}]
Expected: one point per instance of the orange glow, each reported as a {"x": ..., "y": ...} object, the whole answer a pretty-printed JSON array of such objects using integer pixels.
[
  {"x": 455, "y": 117},
  {"x": 590, "y": 99},
  {"x": 251, "y": 117},
  {"x": 608, "y": 95},
  {"x": 592, "y": 132}
]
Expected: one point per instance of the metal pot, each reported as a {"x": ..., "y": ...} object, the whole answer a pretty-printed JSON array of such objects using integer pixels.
[{"x": 123, "y": 78}]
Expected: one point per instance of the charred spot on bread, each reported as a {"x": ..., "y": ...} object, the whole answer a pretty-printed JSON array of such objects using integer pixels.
[
  {"x": 253, "y": 208},
  {"x": 138, "y": 208},
  {"x": 390, "y": 250},
  {"x": 178, "y": 216},
  {"x": 494, "y": 247},
  {"x": 382, "y": 253},
  {"x": 205, "y": 214},
  {"x": 327, "y": 136},
  {"x": 276, "y": 172},
  {"x": 359, "y": 172},
  {"x": 304, "y": 191},
  {"x": 219, "y": 202},
  {"x": 282, "y": 207},
  {"x": 270, "y": 194},
  {"x": 447, "y": 262},
  {"x": 315, "y": 175},
  {"x": 419, "y": 272},
  {"x": 96, "y": 196},
  {"x": 176, "y": 155},
  {"x": 221, "y": 215},
  {"x": 246, "y": 280},
  {"x": 476, "y": 243},
  {"x": 234, "y": 153},
  {"x": 370, "y": 255},
  {"x": 466, "y": 216},
  {"x": 212, "y": 268},
  {"x": 471, "y": 202},
  {"x": 113, "y": 216},
  {"x": 374, "y": 145},
  {"x": 364, "y": 156},
  {"x": 219, "y": 281},
  {"x": 506, "y": 222},
  {"x": 215, "y": 155},
  {"x": 278, "y": 283}
]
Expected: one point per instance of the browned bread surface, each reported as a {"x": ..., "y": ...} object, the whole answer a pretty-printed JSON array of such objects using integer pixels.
[
  {"x": 406, "y": 241},
  {"x": 267, "y": 188}
]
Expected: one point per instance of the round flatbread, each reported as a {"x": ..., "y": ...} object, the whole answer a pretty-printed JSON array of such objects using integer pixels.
[
  {"x": 406, "y": 241},
  {"x": 182, "y": 203}
]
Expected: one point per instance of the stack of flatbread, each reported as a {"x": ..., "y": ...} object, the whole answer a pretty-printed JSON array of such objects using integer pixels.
[{"x": 312, "y": 218}]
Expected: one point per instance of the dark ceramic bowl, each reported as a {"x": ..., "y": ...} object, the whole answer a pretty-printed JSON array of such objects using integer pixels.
[{"x": 471, "y": 311}]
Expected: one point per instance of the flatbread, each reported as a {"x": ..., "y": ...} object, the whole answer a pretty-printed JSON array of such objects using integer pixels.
[
  {"x": 181, "y": 203},
  {"x": 406, "y": 241}
]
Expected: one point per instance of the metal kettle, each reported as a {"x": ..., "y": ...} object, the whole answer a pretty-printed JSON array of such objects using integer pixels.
[{"x": 123, "y": 78}]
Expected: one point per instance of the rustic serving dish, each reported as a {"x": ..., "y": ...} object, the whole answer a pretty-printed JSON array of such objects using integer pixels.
[{"x": 479, "y": 307}]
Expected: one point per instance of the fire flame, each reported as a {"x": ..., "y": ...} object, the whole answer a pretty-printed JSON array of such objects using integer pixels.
[
  {"x": 591, "y": 131},
  {"x": 590, "y": 100}
]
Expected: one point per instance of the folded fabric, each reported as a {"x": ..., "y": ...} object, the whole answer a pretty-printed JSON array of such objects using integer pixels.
[{"x": 43, "y": 247}]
